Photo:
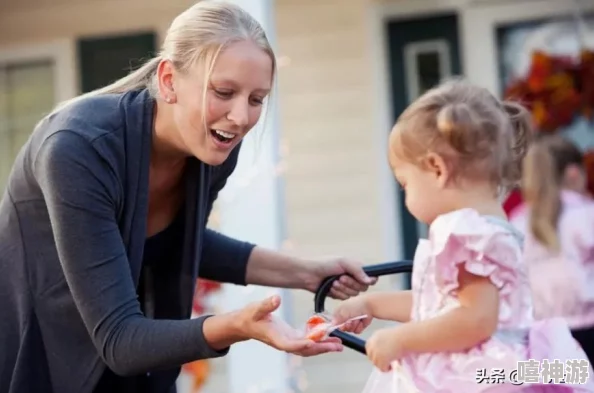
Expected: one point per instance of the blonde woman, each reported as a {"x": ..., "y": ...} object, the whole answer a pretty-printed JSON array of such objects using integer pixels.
[
  {"x": 558, "y": 221},
  {"x": 103, "y": 223}
]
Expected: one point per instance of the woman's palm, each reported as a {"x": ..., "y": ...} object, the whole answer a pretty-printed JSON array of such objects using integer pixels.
[{"x": 278, "y": 334}]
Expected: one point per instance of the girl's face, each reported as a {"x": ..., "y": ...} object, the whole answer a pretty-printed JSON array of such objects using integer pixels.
[
  {"x": 209, "y": 127},
  {"x": 423, "y": 188},
  {"x": 575, "y": 179}
]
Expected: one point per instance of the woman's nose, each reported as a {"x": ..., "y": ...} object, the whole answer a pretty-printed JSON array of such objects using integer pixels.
[{"x": 239, "y": 113}]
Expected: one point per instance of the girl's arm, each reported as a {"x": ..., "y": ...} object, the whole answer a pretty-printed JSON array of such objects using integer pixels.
[
  {"x": 392, "y": 306},
  {"x": 468, "y": 325}
]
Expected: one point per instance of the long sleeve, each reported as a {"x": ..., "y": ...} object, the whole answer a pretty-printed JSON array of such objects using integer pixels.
[
  {"x": 82, "y": 194},
  {"x": 224, "y": 259}
]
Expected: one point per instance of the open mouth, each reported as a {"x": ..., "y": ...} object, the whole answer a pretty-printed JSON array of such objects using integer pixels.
[{"x": 222, "y": 136}]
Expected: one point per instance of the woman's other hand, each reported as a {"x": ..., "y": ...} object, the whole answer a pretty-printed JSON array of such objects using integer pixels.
[
  {"x": 353, "y": 308},
  {"x": 257, "y": 322},
  {"x": 353, "y": 280},
  {"x": 273, "y": 269}
]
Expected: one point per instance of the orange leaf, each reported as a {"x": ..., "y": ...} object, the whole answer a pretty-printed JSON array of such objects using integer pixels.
[
  {"x": 539, "y": 113},
  {"x": 199, "y": 371}
]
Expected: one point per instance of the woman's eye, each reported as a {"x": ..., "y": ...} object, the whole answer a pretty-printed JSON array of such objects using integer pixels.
[
  {"x": 257, "y": 101},
  {"x": 223, "y": 93}
]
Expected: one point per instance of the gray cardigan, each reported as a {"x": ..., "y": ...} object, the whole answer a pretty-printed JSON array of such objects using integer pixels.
[{"x": 72, "y": 234}]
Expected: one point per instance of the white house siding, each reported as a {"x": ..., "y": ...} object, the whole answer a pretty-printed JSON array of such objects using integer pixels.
[{"x": 332, "y": 179}]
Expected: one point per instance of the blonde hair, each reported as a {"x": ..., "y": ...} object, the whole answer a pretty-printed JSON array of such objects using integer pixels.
[
  {"x": 196, "y": 36},
  {"x": 544, "y": 170},
  {"x": 478, "y": 135}
]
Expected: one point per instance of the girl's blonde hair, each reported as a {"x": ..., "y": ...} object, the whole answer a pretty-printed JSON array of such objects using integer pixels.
[
  {"x": 196, "y": 36},
  {"x": 477, "y": 135},
  {"x": 544, "y": 169}
]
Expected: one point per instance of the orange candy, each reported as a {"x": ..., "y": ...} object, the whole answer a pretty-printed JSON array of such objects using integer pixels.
[
  {"x": 316, "y": 328},
  {"x": 315, "y": 320},
  {"x": 316, "y": 335}
]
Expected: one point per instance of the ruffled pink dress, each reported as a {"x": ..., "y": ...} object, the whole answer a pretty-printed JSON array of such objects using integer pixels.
[{"x": 488, "y": 247}]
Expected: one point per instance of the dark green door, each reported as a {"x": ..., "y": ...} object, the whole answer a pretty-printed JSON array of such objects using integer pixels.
[
  {"x": 103, "y": 60},
  {"x": 422, "y": 52}
]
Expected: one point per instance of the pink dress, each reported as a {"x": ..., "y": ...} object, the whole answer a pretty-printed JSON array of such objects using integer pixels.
[
  {"x": 489, "y": 247},
  {"x": 563, "y": 283}
]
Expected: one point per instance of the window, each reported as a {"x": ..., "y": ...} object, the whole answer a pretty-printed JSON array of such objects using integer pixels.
[
  {"x": 27, "y": 92},
  {"x": 427, "y": 63},
  {"x": 104, "y": 60}
]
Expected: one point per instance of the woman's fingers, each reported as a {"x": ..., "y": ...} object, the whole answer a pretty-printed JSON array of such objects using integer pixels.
[
  {"x": 265, "y": 307},
  {"x": 341, "y": 291},
  {"x": 279, "y": 335},
  {"x": 295, "y": 346},
  {"x": 346, "y": 287},
  {"x": 332, "y": 344},
  {"x": 281, "y": 340},
  {"x": 354, "y": 285}
]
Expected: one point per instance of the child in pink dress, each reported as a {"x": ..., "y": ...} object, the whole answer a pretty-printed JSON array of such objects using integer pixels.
[
  {"x": 558, "y": 223},
  {"x": 468, "y": 320}
]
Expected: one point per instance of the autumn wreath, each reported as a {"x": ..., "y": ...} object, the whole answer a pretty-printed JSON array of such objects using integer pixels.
[{"x": 557, "y": 90}]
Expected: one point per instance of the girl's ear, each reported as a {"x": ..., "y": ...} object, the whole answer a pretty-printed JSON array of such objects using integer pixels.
[{"x": 437, "y": 166}]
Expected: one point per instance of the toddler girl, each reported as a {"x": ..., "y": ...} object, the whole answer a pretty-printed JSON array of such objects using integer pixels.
[
  {"x": 558, "y": 220},
  {"x": 455, "y": 151}
]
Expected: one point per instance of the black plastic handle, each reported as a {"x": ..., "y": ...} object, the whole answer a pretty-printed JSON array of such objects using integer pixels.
[{"x": 384, "y": 269}]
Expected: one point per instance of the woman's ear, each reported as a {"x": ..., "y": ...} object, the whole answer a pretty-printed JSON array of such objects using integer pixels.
[
  {"x": 437, "y": 166},
  {"x": 165, "y": 74}
]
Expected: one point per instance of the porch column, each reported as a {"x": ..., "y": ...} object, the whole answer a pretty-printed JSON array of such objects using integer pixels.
[{"x": 251, "y": 209}]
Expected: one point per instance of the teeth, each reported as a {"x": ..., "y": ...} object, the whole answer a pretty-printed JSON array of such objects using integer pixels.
[{"x": 224, "y": 134}]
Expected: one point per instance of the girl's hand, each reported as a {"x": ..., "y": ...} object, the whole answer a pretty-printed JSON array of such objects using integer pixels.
[
  {"x": 352, "y": 308},
  {"x": 257, "y": 322},
  {"x": 385, "y": 346}
]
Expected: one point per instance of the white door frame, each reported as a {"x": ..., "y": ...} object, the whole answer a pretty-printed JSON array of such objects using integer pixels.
[
  {"x": 379, "y": 16},
  {"x": 62, "y": 53},
  {"x": 478, "y": 56}
]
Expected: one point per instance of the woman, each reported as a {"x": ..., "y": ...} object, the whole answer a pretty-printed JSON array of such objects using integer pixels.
[{"x": 103, "y": 224}]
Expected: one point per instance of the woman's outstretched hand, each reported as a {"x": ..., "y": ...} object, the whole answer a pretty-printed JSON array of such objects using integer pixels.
[{"x": 258, "y": 323}]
